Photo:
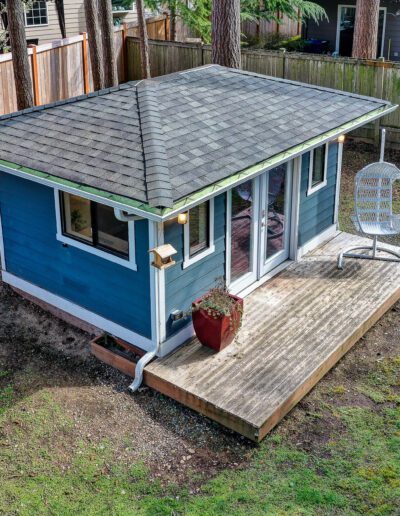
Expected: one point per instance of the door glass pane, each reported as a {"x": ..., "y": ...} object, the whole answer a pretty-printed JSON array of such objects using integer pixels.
[
  {"x": 111, "y": 232},
  {"x": 77, "y": 217},
  {"x": 347, "y": 19},
  {"x": 241, "y": 230},
  {"x": 276, "y": 211}
]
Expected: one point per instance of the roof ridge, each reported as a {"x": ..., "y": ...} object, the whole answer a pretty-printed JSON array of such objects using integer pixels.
[
  {"x": 306, "y": 85},
  {"x": 70, "y": 100},
  {"x": 157, "y": 177}
]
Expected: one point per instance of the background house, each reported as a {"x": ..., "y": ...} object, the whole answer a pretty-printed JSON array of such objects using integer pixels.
[
  {"x": 42, "y": 21},
  {"x": 339, "y": 30}
]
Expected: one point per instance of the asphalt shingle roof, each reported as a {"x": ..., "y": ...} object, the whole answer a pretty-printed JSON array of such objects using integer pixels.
[{"x": 159, "y": 140}]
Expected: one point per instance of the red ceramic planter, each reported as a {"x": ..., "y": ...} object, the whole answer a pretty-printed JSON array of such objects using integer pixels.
[{"x": 216, "y": 333}]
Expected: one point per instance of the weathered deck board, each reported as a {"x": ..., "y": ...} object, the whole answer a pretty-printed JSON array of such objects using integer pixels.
[{"x": 295, "y": 328}]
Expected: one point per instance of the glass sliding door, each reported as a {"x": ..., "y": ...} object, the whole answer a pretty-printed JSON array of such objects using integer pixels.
[
  {"x": 276, "y": 188},
  {"x": 345, "y": 30},
  {"x": 242, "y": 219},
  {"x": 258, "y": 226}
]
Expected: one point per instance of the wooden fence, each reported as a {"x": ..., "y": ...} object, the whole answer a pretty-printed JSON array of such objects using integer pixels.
[
  {"x": 61, "y": 69},
  {"x": 372, "y": 78}
]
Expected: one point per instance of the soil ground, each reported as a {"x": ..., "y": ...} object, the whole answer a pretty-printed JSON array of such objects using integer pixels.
[{"x": 74, "y": 441}]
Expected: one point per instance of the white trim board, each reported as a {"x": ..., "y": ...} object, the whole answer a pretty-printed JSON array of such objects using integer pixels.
[
  {"x": 64, "y": 239},
  {"x": 2, "y": 250},
  {"x": 190, "y": 260},
  {"x": 328, "y": 234},
  {"x": 312, "y": 189},
  {"x": 79, "y": 312}
]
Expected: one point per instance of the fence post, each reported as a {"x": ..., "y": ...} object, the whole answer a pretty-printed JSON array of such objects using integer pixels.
[
  {"x": 35, "y": 76},
  {"x": 125, "y": 50},
  {"x": 85, "y": 63},
  {"x": 166, "y": 28},
  {"x": 379, "y": 94}
]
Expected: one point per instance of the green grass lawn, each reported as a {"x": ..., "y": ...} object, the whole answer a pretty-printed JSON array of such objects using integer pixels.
[{"x": 355, "y": 470}]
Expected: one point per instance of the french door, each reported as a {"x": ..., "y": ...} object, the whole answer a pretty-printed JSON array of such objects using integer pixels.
[{"x": 258, "y": 226}]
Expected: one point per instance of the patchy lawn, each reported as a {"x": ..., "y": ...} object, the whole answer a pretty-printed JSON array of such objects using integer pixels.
[{"x": 73, "y": 441}]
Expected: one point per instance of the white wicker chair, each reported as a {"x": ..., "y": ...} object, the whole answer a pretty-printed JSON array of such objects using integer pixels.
[{"x": 373, "y": 211}]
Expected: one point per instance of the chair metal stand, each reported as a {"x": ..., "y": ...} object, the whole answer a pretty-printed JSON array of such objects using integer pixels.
[{"x": 374, "y": 256}]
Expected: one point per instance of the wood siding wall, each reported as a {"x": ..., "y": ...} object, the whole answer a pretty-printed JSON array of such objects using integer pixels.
[
  {"x": 75, "y": 22},
  {"x": 32, "y": 253},
  {"x": 317, "y": 210},
  {"x": 182, "y": 286},
  {"x": 372, "y": 78}
]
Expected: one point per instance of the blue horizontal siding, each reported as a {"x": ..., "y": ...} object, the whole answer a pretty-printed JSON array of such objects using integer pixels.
[
  {"x": 34, "y": 254},
  {"x": 317, "y": 210},
  {"x": 182, "y": 286}
]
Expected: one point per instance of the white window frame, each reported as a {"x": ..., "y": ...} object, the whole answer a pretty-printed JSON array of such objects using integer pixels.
[
  {"x": 337, "y": 45},
  {"x": 130, "y": 262},
  {"x": 312, "y": 189},
  {"x": 37, "y": 24},
  {"x": 190, "y": 260}
]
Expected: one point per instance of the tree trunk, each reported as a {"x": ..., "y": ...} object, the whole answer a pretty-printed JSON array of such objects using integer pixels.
[
  {"x": 107, "y": 32},
  {"x": 143, "y": 40},
  {"x": 172, "y": 19},
  {"x": 20, "y": 59},
  {"x": 59, "y": 4},
  {"x": 365, "y": 42},
  {"x": 93, "y": 30},
  {"x": 226, "y": 33}
]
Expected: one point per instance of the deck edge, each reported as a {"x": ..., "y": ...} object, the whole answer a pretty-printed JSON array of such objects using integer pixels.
[{"x": 324, "y": 368}]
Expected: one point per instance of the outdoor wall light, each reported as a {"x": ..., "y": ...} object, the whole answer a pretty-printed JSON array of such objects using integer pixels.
[
  {"x": 183, "y": 218},
  {"x": 341, "y": 138}
]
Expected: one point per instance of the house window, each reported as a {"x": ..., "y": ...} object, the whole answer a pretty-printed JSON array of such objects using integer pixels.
[
  {"x": 318, "y": 169},
  {"x": 199, "y": 233},
  {"x": 37, "y": 15},
  {"x": 93, "y": 227}
]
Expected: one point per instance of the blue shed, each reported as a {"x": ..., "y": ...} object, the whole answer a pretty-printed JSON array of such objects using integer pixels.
[{"x": 238, "y": 172}]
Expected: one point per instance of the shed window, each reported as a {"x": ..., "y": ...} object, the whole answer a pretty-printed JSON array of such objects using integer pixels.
[
  {"x": 318, "y": 169},
  {"x": 37, "y": 15},
  {"x": 94, "y": 225},
  {"x": 198, "y": 233}
]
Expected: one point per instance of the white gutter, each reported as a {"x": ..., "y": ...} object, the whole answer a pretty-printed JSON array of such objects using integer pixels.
[{"x": 123, "y": 216}]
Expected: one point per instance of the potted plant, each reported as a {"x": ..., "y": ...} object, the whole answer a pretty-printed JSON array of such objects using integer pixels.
[{"x": 217, "y": 317}]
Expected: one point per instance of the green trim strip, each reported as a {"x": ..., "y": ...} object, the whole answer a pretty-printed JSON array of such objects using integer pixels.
[
  {"x": 211, "y": 189},
  {"x": 286, "y": 155},
  {"x": 87, "y": 189}
]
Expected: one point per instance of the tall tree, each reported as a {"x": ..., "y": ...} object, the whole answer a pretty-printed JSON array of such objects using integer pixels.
[
  {"x": 365, "y": 42},
  {"x": 143, "y": 40},
  {"x": 61, "y": 17},
  {"x": 107, "y": 33},
  {"x": 198, "y": 14},
  {"x": 225, "y": 33},
  {"x": 22, "y": 76},
  {"x": 93, "y": 30}
]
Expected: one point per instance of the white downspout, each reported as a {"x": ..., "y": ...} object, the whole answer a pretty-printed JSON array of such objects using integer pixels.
[{"x": 142, "y": 363}]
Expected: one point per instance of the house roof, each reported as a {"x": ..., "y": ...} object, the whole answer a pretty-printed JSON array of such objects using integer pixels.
[{"x": 158, "y": 141}]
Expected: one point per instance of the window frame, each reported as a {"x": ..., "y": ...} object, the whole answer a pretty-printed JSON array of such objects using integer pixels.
[
  {"x": 312, "y": 189},
  {"x": 129, "y": 262},
  {"x": 36, "y": 24},
  {"x": 190, "y": 260}
]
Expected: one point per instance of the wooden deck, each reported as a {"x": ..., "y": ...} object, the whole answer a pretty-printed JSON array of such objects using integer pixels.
[{"x": 296, "y": 327}]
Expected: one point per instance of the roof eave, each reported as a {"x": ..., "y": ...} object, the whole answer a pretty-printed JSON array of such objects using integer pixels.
[
  {"x": 253, "y": 171},
  {"x": 161, "y": 214}
]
